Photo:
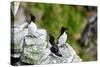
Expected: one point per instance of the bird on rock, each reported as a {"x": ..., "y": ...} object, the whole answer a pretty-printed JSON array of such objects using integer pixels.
[
  {"x": 32, "y": 28},
  {"x": 62, "y": 37},
  {"x": 54, "y": 48}
]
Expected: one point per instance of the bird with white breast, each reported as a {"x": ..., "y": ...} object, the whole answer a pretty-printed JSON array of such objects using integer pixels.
[
  {"x": 62, "y": 38},
  {"x": 32, "y": 28}
]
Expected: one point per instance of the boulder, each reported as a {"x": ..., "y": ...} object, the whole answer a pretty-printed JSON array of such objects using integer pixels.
[{"x": 36, "y": 52}]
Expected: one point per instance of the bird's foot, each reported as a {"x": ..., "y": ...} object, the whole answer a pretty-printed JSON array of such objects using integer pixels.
[
  {"x": 29, "y": 36},
  {"x": 32, "y": 36},
  {"x": 64, "y": 46},
  {"x": 58, "y": 54}
]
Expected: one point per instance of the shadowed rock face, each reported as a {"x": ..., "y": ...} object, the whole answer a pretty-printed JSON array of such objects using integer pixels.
[{"x": 89, "y": 33}]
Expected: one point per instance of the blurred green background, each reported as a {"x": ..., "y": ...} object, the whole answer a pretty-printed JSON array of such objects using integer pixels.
[{"x": 53, "y": 16}]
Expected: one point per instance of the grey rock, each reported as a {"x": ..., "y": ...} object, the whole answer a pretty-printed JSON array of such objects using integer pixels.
[{"x": 35, "y": 52}]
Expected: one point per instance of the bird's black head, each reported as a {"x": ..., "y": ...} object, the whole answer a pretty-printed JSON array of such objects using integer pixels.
[
  {"x": 63, "y": 29},
  {"x": 32, "y": 18},
  {"x": 51, "y": 40}
]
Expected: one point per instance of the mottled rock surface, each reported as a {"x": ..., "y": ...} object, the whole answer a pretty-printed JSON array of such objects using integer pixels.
[{"x": 36, "y": 52}]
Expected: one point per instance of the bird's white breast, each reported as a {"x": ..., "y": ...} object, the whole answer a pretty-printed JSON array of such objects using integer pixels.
[
  {"x": 62, "y": 39},
  {"x": 32, "y": 28}
]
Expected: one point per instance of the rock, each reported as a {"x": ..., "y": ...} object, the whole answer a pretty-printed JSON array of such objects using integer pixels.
[
  {"x": 17, "y": 42},
  {"x": 33, "y": 47},
  {"x": 18, "y": 30},
  {"x": 35, "y": 52},
  {"x": 69, "y": 56},
  {"x": 42, "y": 34}
]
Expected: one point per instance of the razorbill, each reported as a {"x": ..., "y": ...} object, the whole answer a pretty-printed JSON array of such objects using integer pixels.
[
  {"x": 54, "y": 48},
  {"x": 63, "y": 37},
  {"x": 32, "y": 28}
]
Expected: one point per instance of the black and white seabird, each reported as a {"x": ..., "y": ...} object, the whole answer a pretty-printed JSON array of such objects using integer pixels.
[
  {"x": 32, "y": 28},
  {"x": 54, "y": 48},
  {"x": 63, "y": 37}
]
